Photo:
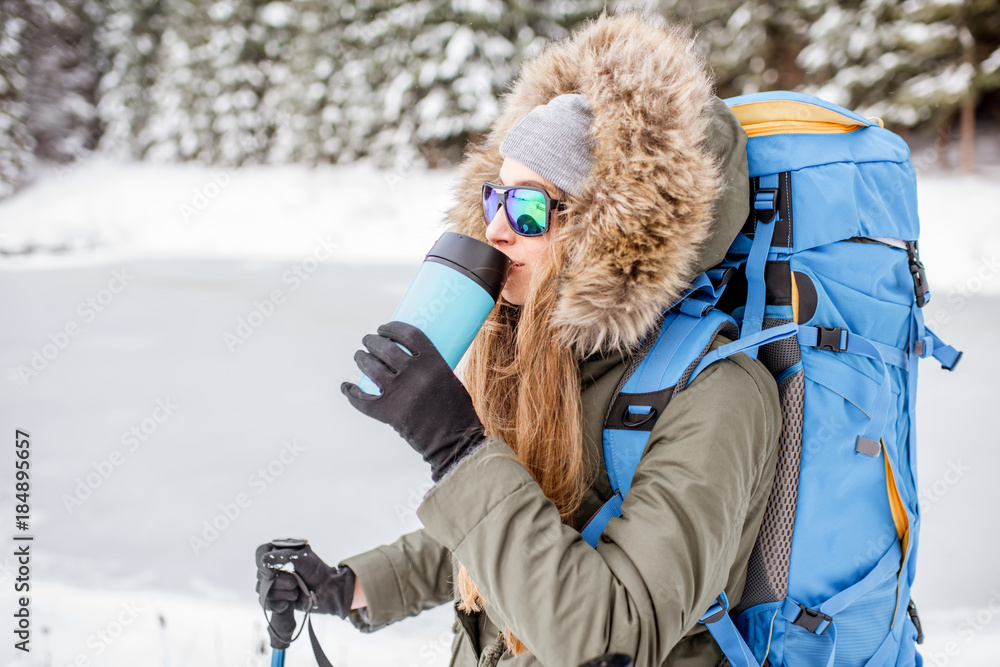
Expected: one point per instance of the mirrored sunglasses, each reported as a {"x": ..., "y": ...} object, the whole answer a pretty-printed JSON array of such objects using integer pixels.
[{"x": 525, "y": 207}]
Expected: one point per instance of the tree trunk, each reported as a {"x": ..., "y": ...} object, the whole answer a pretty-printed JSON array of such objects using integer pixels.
[
  {"x": 942, "y": 145},
  {"x": 968, "y": 123},
  {"x": 968, "y": 135}
]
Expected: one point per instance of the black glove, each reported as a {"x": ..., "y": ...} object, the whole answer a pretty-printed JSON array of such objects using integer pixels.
[
  {"x": 421, "y": 397},
  {"x": 332, "y": 587}
]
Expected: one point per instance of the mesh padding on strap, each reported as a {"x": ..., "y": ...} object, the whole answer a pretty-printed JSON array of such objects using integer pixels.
[
  {"x": 781, "y": 354},
  {"x": 633, "y": 363},
  {"x": 727, "y": 329},
  {"x": 767, "y": 571}
]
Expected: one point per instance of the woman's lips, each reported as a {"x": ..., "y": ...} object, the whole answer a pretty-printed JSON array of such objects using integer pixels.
[{"x": 514, "y": 266}]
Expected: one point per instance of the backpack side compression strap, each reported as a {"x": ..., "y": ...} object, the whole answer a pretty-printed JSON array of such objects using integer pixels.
[
  {"x": 933, "y": 346},
  {"x": 834, "y": 339}
]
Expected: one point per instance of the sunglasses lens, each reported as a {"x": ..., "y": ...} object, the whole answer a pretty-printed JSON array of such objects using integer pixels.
[
  {"x": 491, "y": 202},
  {"x": 527, "y": 211}
]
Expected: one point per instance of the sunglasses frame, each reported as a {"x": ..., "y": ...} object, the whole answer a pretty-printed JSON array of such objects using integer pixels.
[{"x": 502, "y": 190}]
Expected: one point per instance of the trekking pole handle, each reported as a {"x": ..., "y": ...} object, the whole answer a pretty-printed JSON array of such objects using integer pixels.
[{"x": 285, "y": 620}]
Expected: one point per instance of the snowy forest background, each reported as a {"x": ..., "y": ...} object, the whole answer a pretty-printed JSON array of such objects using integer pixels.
[{"x": 240, "y": 82}]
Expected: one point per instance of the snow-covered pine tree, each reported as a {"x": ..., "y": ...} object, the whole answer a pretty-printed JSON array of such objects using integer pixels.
[
  {"x": 334, "y": 83},
  {"x": 436, "y": 69},
  {"x": 751, "y": 45},
  {"x": 16, "y": 144},
  {"x": 915, "y": 64},
  {"x": 351, "y": 72},
  {"x": 300, "y": 93},
  {"x": 62, "y": 70},
  {"x": 131, "y": 36},
  {"x": 989, "y": 73},
  {"x": 255, "y": 91},
  {"x": 180, "y": 126},
  {"x": 242, "y": 82},
  {"x": 982, "y": 19}
]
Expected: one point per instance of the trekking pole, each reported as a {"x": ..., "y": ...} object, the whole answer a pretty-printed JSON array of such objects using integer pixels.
[
  {"x": 282, "y": 624},
  {"x": 278, "y": 646}
]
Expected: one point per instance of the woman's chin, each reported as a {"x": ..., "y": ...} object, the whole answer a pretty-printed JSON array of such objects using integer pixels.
[{"x": 513, "y": 298}]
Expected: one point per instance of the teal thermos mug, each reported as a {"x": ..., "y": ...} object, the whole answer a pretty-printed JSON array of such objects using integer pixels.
[{"x": 451, "y": 296}]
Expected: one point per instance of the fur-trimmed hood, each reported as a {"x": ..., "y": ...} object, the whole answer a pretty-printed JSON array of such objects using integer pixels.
[{"x": 668, "y": 192}]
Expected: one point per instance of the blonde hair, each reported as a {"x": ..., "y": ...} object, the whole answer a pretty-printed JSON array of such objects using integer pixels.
[{"x": 526, "y": 390}]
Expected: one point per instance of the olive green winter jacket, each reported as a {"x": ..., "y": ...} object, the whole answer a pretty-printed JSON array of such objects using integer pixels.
[
  {"x": 687, "y": 528},
  {"x": 668, "y": 195}
]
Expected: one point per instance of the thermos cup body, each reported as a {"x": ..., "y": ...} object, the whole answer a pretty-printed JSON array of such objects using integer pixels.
[{"x": 451, "y": 296}]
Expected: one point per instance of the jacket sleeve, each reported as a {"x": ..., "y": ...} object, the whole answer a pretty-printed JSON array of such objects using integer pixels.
[
  {"x": 401, "y": 579},
  {"x": 658, "y": 567}
]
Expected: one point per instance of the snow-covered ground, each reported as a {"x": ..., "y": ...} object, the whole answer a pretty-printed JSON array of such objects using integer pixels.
[
  {"x": 109, "y": 210},
  {"x": 184, "y": 405}
]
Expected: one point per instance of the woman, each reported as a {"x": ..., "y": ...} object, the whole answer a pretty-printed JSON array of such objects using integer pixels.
[{"x": 643, "y": 174}]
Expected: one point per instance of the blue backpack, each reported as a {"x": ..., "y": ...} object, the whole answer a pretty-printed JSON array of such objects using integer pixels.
[{"x": 825, "y": 283}]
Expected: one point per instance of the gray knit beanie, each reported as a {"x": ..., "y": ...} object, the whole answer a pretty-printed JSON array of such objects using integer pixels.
[{"x": 553, "y": 141}]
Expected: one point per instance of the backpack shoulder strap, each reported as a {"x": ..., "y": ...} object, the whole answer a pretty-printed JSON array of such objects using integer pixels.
[{"x": 662, "y": 370}]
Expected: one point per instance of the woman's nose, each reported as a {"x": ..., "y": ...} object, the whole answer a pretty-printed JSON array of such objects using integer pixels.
[{"x": 498, "y": 230}]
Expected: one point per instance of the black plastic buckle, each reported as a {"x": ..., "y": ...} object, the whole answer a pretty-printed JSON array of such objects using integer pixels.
[
  {"x": 621, "y": 417},
  {"x": 810, "y": 619},
  {"x": 829, "y": 339},
  {"x": 920, "y": 288},
  {"x": 763, "y": 214},
  {"x": 637, "y": 419},
  {"x": 911, "y": 610}
]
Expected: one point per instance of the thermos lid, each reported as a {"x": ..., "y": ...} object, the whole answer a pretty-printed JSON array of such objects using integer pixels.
[{"x": 477, "y": 260}]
